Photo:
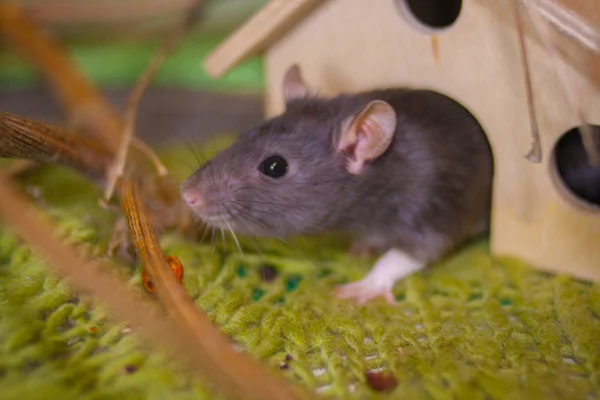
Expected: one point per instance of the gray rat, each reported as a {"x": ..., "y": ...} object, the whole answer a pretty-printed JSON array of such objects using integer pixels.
[{"x": 409, "y": 171}]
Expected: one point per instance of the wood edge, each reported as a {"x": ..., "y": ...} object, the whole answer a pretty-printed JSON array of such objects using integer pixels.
[
  {"x": 571, "y": 48},
  {"x": 585, "y": 273},
  {"x": 282, "y": 16}
]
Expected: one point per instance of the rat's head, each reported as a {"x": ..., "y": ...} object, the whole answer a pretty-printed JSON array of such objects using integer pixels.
[{"x": 296, "y": 173}]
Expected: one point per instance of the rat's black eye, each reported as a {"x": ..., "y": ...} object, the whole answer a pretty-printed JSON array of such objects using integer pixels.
[{"x": 273, "y": 166}]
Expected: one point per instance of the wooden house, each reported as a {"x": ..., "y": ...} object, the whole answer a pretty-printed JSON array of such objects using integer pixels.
[{"x": 470, "y": 50}]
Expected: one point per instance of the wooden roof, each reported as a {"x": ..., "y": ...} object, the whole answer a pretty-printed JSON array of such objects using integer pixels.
[
  {"x": 260, "y": 31},
  {"x": 577, "y": 20}
]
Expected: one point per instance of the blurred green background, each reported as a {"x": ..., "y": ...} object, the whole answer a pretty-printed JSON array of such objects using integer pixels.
[{"x": 113, "y": 44}]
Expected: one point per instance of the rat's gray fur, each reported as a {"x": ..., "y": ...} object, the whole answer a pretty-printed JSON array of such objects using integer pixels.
[{"x": 426, "y": 194}]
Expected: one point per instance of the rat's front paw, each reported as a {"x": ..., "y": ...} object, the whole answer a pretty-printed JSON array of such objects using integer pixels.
[
  {"x": 391, "y": 267},
  {"x": 365, "y": 290}
]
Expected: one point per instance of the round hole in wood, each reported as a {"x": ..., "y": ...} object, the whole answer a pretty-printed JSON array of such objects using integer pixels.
[
  {"x": 431, "y": 16},
  {"x": 573, "y": 173}
]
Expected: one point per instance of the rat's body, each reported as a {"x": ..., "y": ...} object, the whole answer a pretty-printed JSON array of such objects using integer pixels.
[{"x": 408, "y": 171}]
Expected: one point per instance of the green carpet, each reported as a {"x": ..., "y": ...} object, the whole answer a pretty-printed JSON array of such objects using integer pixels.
[{"x": 472, "y": 327}]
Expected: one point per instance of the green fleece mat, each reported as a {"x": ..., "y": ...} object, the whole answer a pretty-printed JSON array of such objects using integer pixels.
[{"x": 472, "y": 327}]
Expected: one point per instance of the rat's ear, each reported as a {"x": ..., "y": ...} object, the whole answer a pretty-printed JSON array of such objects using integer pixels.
[
  {"x": 366, "y": 136},
  {"x": 293, "y": 84}
]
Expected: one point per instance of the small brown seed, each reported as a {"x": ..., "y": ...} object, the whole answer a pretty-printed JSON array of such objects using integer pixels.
[
  {"x": 130, "y": 369},
  {"x": 268, "y": 273},
  {"x": 381, "y": 381}
]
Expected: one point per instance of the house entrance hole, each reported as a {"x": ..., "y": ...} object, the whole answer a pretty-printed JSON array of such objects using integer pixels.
[
  {"x": 572, "y": 170},
  {"x": 431, "y": 15}
]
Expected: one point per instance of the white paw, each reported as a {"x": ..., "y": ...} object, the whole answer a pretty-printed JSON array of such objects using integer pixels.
[
  {"x": 365, "y": 290},
  {"x": 389, "y": 269}
]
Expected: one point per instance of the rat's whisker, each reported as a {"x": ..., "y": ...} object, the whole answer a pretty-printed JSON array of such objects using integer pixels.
[
  {"x": 237, "y": 220},
  {"x": 235, "y": 239},
  {"x": 298, "y": 250},
  {"x": 262, "y": 256},
  {"x": 193, "y": 150},
  {"x": 211, "y": 176},
  {"x": 212, "y": 171},
  {"x": 244, "y": 213},
  {"x": 201, "y": 152},
  {"x": 190, "y": 166},
  {"x": 204, "y": 226},
  {"x": 279, "y": 206},
  {"x": 276, "y": 209},
  {"x": 262, "y": 203},
  {"x": 216, "y": 171},
  {"x": 223, "y": 238},
  {"x": 212, "y": 241}
]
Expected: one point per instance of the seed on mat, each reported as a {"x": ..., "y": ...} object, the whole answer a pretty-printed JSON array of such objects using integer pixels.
[
  {"x": 130, "y": 369},
  {"x": 267, "y": 272},
  {"x": 381, "y": 381}
]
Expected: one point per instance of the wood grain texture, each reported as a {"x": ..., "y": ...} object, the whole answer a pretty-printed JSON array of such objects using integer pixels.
[
  {"x": 588, "y": 9},
  {"x": 264, "y": 28},
  {"x": 24, "y": 138},
  {"x": 575, "y": 34},
  {"x": 345, "y": 46}
]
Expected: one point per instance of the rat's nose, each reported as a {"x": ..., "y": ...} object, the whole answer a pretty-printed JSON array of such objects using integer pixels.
[{"x": 193, "y": 198}]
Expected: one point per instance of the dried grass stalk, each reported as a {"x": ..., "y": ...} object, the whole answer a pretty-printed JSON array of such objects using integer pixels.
[
  {"x": 30, "y": 139},
  {"x": 89, "y": 111},
  {"x": 236, "y": 375},
  {"x": 189, "y": 334},
  {"x": 86, "y": 107},
  {"x": 85, "y": 275},
  {"x": 168, "y": 46},
  {"x": 33, "y": 140}
]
